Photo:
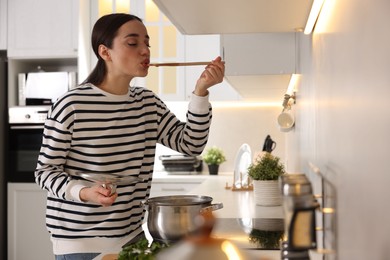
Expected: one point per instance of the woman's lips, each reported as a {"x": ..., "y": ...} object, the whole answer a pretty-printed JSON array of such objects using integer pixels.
[{"x": 145, "y": 63}]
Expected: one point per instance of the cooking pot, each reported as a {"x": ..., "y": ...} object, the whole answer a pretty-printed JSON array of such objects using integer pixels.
[{"x": 171, "y": 218}]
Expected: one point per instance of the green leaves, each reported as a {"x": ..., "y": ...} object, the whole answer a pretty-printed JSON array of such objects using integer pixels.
[
  {"x": 214, "y": 155},
  {"x": 266, "y": 167},
  {"x": 141, "y": 250}
]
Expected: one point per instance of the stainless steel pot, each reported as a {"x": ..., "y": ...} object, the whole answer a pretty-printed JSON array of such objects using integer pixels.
[{"x": 171, "y": 218}]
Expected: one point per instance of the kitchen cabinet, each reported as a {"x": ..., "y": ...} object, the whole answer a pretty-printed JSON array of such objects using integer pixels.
[
  {"x": 43, "y": 29},
  {"x": 259, "y": 65},
  {"x": 205, "y": 48},
  {"x": 3, "y": 24},
  {"x": 27, "y": 234},
  {"x": 246, "y": 16},
  {"x": 174, "y": 185}
]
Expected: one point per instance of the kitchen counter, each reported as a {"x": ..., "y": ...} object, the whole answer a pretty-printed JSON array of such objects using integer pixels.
[{"x": 236, "y": 204}]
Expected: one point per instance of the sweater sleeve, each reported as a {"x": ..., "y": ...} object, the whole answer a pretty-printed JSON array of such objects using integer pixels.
[
  {"x": 188, "y": 137},
  {"x": 50, "y": 174}
]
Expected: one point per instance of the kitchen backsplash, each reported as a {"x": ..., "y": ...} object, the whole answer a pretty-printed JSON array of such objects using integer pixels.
[{"x": 234, "y": 125}]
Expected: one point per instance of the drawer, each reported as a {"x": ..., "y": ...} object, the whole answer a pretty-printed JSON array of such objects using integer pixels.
[{"x": 168, "y": 188}]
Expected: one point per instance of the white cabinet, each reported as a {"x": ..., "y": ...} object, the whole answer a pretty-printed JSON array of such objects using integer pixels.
[
  {"x": 249, "y": 16},
  {"x": 43, "y": 29},
  {"x": 174, "y": 186},
  {"x": 3, "y": 24},
  {"x": 259, "y": 53},
  {"x": 27, "y": 234},
  {"x": 259, "y": 65},
  {"x": 205, "y": 48}
]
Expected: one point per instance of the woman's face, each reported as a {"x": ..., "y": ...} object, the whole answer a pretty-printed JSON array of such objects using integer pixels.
[{"x": 130, "y": 54}]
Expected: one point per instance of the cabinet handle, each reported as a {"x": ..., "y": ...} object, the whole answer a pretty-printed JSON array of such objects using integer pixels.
[{"x": 172, "y": 189}]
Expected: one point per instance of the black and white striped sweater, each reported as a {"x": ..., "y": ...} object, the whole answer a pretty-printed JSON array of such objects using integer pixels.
[{"x": 91, "y": 130}]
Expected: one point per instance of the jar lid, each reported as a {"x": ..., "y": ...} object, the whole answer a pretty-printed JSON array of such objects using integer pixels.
[{"x": 295, "y": 185}]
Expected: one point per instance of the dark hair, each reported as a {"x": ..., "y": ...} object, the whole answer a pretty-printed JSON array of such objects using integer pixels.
[{"x": 104, "y": 32}]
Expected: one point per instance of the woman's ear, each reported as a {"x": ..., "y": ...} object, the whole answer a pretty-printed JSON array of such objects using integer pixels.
[{"x": 104, "y": 52}]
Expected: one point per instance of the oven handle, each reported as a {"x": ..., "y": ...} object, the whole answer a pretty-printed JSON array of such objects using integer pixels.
[{"x": 26, "y": 126}]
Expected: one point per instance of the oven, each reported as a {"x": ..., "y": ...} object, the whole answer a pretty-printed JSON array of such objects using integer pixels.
[{"x": 25, "y": 131}]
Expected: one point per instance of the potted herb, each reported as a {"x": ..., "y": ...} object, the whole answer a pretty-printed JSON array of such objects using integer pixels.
[
  {"x": 266, "y": 239},
  {"x": 265, "y": 172},
  {"x": 213, "y": 157}
]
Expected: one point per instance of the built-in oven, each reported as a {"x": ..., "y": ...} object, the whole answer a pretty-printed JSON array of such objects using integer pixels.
[{"x": 25, "y": 131}]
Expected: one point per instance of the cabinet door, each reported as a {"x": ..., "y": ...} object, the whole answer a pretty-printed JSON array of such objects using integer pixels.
[
  {"x": 42, "y": 29},
  {"x": 206, "y": 48},
  {"x": 27, "y": 234},
  {"x": 259, "y": 53},
  {"x": 172, "y": 188},
  {"x": 3, "y": 24}
]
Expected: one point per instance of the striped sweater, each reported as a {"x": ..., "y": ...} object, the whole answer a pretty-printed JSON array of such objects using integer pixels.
[{"x": 91, "y": 130}]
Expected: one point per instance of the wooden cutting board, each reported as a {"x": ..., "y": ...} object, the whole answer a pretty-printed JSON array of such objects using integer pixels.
[{"x": 110, "y": 257}]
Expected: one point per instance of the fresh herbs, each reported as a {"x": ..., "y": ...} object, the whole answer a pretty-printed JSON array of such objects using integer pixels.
[
  {"x": 141, "y": 250},
  {"x": 266, "y": 239},
  {"x": 214, "y": 156},
  {"x": 266, "y": 167}
]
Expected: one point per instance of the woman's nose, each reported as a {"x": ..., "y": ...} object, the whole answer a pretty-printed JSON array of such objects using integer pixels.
[{"x": 145, "y": 50}]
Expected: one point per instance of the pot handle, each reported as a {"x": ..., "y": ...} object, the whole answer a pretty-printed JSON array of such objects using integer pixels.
[
  {"x": 211, "y": 208},
  {"x": 144, "y": 204}
]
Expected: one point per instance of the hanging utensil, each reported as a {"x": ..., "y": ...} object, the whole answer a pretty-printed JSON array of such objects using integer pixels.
[{"x": 269, "y": 144}]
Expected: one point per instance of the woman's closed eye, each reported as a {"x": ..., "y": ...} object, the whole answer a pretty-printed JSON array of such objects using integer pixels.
[{"x": 136, "y": 44}]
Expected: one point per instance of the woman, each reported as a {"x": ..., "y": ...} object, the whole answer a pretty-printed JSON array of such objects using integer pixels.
[{"x": 106, "y": 126}]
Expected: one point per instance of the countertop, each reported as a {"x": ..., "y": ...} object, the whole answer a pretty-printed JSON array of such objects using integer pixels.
[{"x": 236, "y": 204}]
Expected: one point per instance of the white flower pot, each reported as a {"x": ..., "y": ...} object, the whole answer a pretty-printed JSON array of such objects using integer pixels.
[{"x": 267, "y": 193}]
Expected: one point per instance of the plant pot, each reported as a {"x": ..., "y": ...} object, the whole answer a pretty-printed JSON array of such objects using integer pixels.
[
  {"x": 213, "y": 169},
  {"x": 267, "y": 193}
]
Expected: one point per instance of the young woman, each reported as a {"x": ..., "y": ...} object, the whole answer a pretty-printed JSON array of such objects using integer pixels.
[{"x": 107, "y": 126}]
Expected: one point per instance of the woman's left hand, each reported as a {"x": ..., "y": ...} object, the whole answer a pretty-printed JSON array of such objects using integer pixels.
[{"x": 213, "y": 74}]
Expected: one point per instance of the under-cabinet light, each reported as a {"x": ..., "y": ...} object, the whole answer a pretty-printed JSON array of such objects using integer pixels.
[
  {"x": 245, "y": 104},
  {"x": 314, "y": 13},
  {"x": 291, "y": 85}
]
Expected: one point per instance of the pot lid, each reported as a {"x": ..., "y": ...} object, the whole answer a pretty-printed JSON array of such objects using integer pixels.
[{"x": 179, "y": 200}]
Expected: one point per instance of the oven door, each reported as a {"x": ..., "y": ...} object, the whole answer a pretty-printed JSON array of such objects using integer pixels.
[{"x": 23, "y": 150}]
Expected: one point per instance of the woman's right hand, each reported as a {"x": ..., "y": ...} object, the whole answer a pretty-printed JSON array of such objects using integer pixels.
[{"x": 99, "y": 195}]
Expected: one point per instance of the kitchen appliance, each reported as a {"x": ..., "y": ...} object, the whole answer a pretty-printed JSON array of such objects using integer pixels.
[
  {"x": 25, "y": 129},
  {"x": 181, "y": 164},
  {"x": 3, "y": 122},
  {"x": 299, "y": 205},
  {"x": 165, "y": 211},
  {"x": 43, "y": 88}
]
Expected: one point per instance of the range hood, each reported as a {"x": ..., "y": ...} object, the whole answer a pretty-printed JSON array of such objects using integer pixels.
[{"x": 228, "y": 16}]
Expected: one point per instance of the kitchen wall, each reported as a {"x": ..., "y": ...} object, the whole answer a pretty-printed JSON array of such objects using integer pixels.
[
  {"x": 343, "y": 119},
  {"x": 233, "y": 125}
]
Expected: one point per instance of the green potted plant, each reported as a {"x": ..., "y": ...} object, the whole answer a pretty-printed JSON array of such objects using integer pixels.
[
  {"x": 266, "y": 238},
  {"x": 265, "y": 172},
  {"x": 213, "y": 157}
]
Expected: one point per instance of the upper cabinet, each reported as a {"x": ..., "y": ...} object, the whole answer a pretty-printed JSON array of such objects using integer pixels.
[
  {"x": 259, "y": 65},
  {"x": 3, "y": 24},
  {"x": 43, "y": 29},
  {"x": 232, "y": 16},
  {"x": 206, "y": 48}
]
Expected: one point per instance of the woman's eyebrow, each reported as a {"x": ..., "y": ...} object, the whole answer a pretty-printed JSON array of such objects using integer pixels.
[{"x": 135, "y": 35}]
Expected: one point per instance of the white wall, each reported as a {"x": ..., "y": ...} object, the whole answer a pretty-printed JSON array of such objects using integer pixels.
[
  {"x": 343, "y": 119},
  {"x": 233, "y": 126}
]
